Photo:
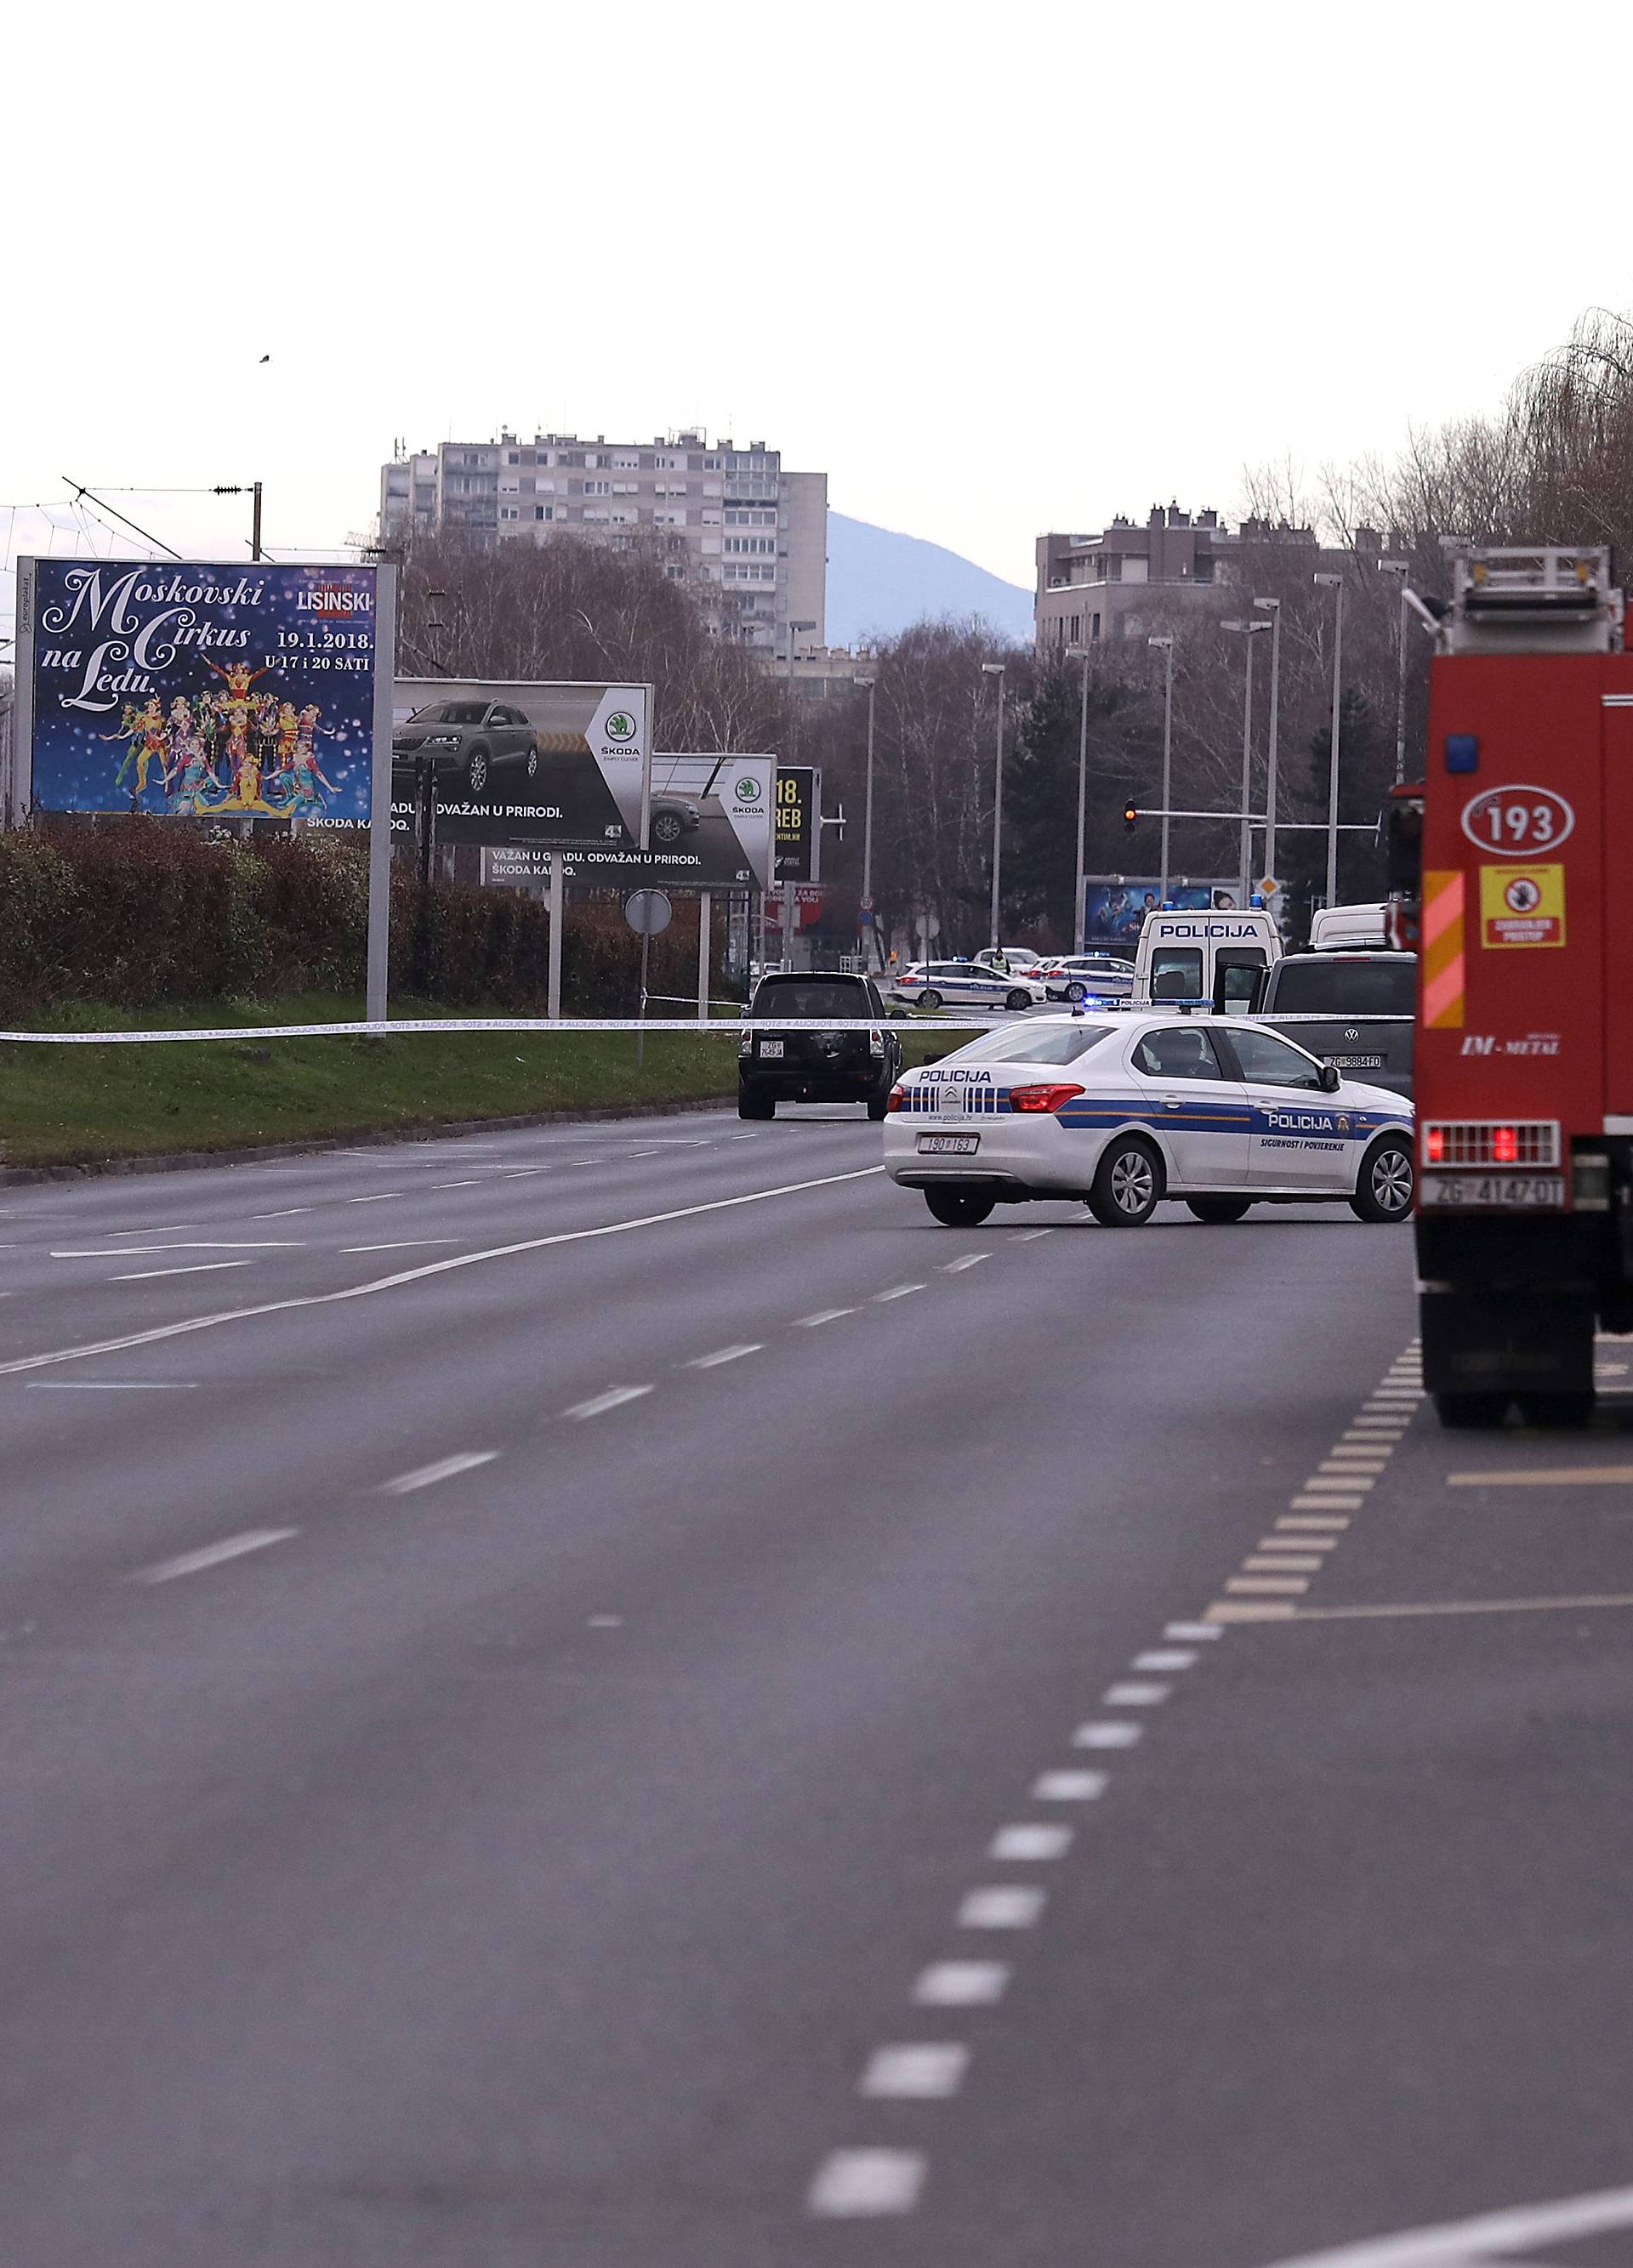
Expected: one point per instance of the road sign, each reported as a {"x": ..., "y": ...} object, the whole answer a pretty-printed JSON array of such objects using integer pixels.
[
  {"x": 649, "y": 912},
  {"x": 1268, "y": 888},
  {"x": 867, "y": 904}
]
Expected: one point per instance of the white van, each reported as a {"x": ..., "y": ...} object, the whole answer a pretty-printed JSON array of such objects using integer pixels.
[
  {"x": 1204, "y": 959},
  {"x": 1337, "y": 928}
]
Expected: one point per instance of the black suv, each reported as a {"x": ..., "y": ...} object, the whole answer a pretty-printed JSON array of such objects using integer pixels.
[{"x": 860, "y": 1064}]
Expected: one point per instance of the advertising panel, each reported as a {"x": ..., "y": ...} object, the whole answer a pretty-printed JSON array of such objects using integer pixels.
[
  {"x": 524, "y": 764},
  {"x": 1115, "y": 910},
  {"x": 711, "y": 829},
  {"x": 799, "y": 857},
  {"x": 198, "y": 689}
]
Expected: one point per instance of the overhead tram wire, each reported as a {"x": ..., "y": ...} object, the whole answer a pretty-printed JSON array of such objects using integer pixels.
[{"x": 80, "y": 490}]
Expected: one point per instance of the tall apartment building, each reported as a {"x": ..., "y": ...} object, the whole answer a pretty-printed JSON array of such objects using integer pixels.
[
  {"x": 1096, "y": 588},
  {"x": 750, "y": 538}
]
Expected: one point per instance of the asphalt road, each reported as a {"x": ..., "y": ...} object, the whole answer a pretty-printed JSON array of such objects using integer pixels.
[{"x": 613, "y": 1698}]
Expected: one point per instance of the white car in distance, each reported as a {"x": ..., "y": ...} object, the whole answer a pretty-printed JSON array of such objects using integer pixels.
[{"x": 1125, "y": 1111}]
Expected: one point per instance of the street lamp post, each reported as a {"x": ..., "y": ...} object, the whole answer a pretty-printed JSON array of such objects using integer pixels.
[
  {"x": 1273, "y": 607},
  {"x": 1335, "y": 582},
  {"x": 870, "y": 925},
  {"x": 1167, "y": 645},
  {"x": 1084, "y": 654},
  {"x": 787, "y": 888},
  {"x": 996, "y": 669},
  {"x": 1248, "y": 631},
  {"x": 1401, "y": 568}
]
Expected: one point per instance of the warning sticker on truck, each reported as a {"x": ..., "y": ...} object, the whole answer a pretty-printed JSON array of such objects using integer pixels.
[{"x": 1522, "y": 905}]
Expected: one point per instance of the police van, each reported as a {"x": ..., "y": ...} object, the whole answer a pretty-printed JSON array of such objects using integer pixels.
[{"x": 1204, "y": 959}]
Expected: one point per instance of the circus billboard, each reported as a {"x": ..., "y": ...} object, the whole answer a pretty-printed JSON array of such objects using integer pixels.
[{"x": 197, "y": 690}]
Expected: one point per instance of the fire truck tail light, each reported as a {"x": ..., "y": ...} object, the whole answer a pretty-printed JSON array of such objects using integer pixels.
[{"x": 1491, "y": 1142}]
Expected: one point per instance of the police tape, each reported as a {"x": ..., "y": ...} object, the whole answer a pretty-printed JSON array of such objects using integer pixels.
[{"x": 655, "y": 1027}]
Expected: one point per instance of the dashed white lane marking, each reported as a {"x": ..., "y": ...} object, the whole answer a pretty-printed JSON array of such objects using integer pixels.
[
  {"x": 1069, "y": 1786},
  {"x": 222, "y": 1244},
  {"x": 725, "y": 1354},
  {"x": 113, "y": 1385},
  {"x": 1002, "y": 1905},
  {"x": 198, "y": 1268},
  {"x": 1134, "y": 1695},
  {"x": 1191, "y": 1630},
  {"x": 1299, "y": 1542},
  {"x": 429, "y": 1269},
  {"x": 288, "y": 1213},
  {"x": 1164, "y": 1658},
  {"x": 964, "y": 1260},
  {"x": 605, "y": 1621},
  {"x": 1319, "y": 1503},
  {"x": 961, "y": 1985},
  {"x": 406, "y": 1244},
  {"x": 1357, "y": 1484},
  {"x": 855, "y": 2185},
  {"x": 1032, "y": 1236},
  {"x": 1266, "y": 1585},
  {"x": 462, "y": 1461},
  {"x": 1111, "y": 1734},
  {"x": 614, "y": 1398},
  {"x": 1025, "y": 1840},
  {"x": 212, "y": 1554},
  {"x": 1314, "y": 1522},
  {"x": 385, "y": 1196},
  {"x": 473, "y": 1184},
  {"x": 896, "y": 1291},
  {"x": 823, "y": 1315},
  {"x": 1283, "y": 1563},
  {"x": 920, "y": 2071}
]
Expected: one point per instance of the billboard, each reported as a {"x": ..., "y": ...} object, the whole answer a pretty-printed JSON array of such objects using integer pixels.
[
  {"x": 196, "y": 689},
  {"x": 1115, "y": 909},
  {"x": 522, "y": 763},
  {"x": 711, "y": 829},
  {"x": 799, "y": 836}
]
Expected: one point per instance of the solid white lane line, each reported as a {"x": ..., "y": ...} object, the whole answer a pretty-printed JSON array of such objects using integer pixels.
[
  {"x": 462, "y": 1461},
  {"x": 1069, "y": 1786},
  {"x": 1113, "y": 1734},
  {"x": 965, "y": 1260},
  {"x": 855, "y": 2185},
  {"x": 407, "y": 1244},
  {"x": 1191, "y": 1630},
  {"x": 897, "y": 1292},
  {"x": 1027, "y": 1841},
  {"x": 614, "y": 1398},
  {"x": 212, "y": 1554},
  {"x": 1003, "y": 1905},
  {"x": 111, "y": 1385},
  {"x": 961, "y": 1985},
  {"x": 430, "y": 1268},
  {"x": 1132, "y": 1695},
  {"x": 724, "y": 1354},
  {"x": 921, "y": 2070},
  {"x": 198, "y": 1268},
  {"x": 823, "y": 1315}
]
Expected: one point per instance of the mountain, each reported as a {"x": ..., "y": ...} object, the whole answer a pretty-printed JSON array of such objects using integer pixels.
[{"x": 880, "y": 582}]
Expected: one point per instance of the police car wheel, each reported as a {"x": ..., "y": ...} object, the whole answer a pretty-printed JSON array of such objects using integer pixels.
[
  {"x": 931, "y": 1000},
  {"x": 1075, "y": 993},
  {"x": 1128, "y": 1184},
  {"x": 958, "y": 1208},
  {"x": 1017, "y": 1000},
  {"x": 1384, "y": 1189},
  {"x": 1219, "y": 1212}
]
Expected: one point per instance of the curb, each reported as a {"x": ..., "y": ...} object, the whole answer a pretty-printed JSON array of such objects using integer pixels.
[{"x": 13, "y": 1177}]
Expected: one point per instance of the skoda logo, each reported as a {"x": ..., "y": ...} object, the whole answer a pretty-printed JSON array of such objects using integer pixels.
[
  {"x": 621, "y": 725},
  {"x": 747, "y": 790}
]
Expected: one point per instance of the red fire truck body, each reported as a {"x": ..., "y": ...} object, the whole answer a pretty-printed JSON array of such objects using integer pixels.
[{"x": 1525, "y": 1042}]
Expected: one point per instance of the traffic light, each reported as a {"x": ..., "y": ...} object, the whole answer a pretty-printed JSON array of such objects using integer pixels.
[{"x": 1129, "y": 816}]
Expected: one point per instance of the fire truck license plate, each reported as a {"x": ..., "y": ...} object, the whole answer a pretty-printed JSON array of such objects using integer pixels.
[{"x": 1492, "y": 1192}]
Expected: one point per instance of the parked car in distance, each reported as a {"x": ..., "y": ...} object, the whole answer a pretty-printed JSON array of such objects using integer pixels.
[
  {"x": 964, "y": 984},
  {"x": 859, "y": 1063},
  {"x": 1082, "y": 976}
]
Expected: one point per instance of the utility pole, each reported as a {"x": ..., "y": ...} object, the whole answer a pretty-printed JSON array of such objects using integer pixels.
[
  {"x": 1167, "y": 645},
  {"x": 1273, "y": 607},
  {"x": 869, "y": 928},
  {"x": 1249, "y": 630},
  {"x": 1082, "y": 653},
  {"x": 996, "y": 669},
  {"x": 1336, "y": 583}
]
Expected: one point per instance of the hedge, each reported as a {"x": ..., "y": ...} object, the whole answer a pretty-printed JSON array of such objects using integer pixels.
[{"x": 135, "y": 912}]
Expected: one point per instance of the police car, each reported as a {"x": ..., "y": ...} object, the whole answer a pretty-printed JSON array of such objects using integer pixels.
[
  {"x": 964, "y": 984},
  {"x": 1123, "y": 1110}
]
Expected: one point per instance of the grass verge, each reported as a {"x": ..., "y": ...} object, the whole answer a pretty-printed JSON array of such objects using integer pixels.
[{"x": 90, "y": 1105}]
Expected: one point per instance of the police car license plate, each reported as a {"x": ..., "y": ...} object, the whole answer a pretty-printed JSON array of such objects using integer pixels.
[
  {"x": 959, "y": 1144},
  {"x": 1492, "y": 1192},
  {"x": 770, "y": 1047}
]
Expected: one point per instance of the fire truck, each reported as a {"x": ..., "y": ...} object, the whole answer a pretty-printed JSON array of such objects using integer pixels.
[{"x": 1507, "y": 877}]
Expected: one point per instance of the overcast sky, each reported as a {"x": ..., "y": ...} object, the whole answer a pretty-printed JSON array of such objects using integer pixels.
[{"x": 994, "y": 270}]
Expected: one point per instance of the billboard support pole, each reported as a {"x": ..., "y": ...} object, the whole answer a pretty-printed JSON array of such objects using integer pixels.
[
  {"x": 379, "y": 797},
  {"x": 704, "y": 943},
  {"x": 787, "y": 924},
  {"x": 640, "y": 1036},
  {"x": 552, "y": 1003}
]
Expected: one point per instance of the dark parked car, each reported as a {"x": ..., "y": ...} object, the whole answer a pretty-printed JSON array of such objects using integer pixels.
[{"x": 860, "y": 1064}]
